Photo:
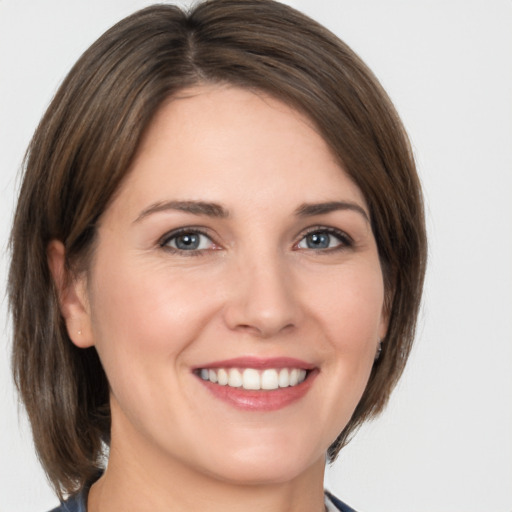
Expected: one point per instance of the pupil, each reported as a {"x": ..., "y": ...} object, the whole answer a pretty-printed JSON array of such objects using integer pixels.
[
  {"x": 189, "y": 241},
  {"x": 318, "y": 240}
]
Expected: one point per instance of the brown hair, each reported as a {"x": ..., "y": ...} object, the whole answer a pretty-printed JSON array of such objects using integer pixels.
[{"x": 87, "y": 139}]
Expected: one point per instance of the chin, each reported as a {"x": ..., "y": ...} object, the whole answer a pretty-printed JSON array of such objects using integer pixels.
[{"x": 266, "y": 464}]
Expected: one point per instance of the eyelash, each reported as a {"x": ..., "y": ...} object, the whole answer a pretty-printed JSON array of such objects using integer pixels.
[
  {"x": 344, "y": 239},
  {"x": 167, "y": 238}
]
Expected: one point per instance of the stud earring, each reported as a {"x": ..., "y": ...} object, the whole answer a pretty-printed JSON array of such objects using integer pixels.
[
  {"x": 80, "y": 332},
  {"x": 379, "y": 350}
]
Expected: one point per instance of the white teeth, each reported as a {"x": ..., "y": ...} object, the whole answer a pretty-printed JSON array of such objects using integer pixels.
[
  {"x": 222, "y": 376},
  {"x": 269, "y": 379},
  {"x": 252, "y": 379},
  {"x": 284, "y": 378},
  {"x": 235, "y": 378}
]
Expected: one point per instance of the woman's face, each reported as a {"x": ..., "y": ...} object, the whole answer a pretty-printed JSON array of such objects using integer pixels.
[{"x": 236, "y": 250}]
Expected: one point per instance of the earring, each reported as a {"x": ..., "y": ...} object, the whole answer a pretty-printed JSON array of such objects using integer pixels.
[
  {"x": 379, "y": 350},
  {"x": 80, "y": 332}
]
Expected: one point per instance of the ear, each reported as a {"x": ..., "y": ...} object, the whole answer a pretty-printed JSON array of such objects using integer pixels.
[
  {"x": 383, "y": 329},
  {"x": 389, "y": 296},
  {"x": 384, "y": 320},
  {"x": 72, "y": 295}
]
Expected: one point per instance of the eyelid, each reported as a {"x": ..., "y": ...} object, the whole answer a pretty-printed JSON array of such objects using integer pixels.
[
  {"x": 165, "y": 239},
  {"x": 345, "y": 239}
]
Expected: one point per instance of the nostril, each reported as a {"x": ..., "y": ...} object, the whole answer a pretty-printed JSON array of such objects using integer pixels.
[
  {"x": 264, "y": 330},
  {"x": 261, "y": 308}
]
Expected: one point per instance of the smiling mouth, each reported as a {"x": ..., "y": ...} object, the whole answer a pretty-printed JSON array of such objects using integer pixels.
[{"x": 267, "y": 379}]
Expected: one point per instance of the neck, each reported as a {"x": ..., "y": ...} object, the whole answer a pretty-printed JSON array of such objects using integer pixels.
[{"x": 140, "y": 483}]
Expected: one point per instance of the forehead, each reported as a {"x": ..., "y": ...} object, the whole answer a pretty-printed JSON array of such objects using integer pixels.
[{"x": 223, "y": 143}]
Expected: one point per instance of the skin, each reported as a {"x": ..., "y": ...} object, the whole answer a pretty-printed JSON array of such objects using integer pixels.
[{"x": 253, "y": 288}]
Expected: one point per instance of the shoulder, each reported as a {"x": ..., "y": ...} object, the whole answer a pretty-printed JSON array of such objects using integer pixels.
[
  {"x": 333, "y": 504},
  {"x": 73, "y": 504}
]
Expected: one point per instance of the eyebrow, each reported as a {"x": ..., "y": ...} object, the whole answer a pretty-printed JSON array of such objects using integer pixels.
[
  {"x": 311, "y": 209},
  {"x": 218, "y": 211},
  {"x": 193, "y": 207}
]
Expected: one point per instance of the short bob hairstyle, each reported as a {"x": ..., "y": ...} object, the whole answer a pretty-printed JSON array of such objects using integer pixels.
[{"x": 81, "y": 153}]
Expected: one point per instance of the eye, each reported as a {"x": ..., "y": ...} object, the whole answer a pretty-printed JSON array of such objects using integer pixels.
[
  {"x": 187, "y": 240},
  {"x": 321, "y": 239}
]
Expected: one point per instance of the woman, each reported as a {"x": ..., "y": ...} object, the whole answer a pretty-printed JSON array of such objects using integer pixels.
[{"x": 219, "y": 238}]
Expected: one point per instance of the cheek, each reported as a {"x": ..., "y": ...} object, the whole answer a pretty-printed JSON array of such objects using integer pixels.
[
  {"x": 353, "y": 325},
  {"x": 145, "y": 316},
  {"x": 350, "y": 306},
  {"x": 349, "y": 313}
]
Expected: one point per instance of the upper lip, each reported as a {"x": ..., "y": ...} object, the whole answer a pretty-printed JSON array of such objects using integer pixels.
[{"x": 258, "y": 362}]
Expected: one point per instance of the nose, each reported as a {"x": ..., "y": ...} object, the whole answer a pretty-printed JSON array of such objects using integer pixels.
[{"x": 262, "y": 299}]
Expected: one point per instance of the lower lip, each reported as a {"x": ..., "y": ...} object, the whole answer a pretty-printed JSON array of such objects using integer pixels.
[{"x": 261, "y": 400}]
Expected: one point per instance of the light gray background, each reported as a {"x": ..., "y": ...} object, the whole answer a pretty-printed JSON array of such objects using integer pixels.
[{"x": 445, "y": 442}]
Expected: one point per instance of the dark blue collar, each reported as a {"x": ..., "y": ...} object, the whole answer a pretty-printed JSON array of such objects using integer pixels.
[
  {"x": 73, "y": 504},
  {"x": 343, "y": 507}
]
